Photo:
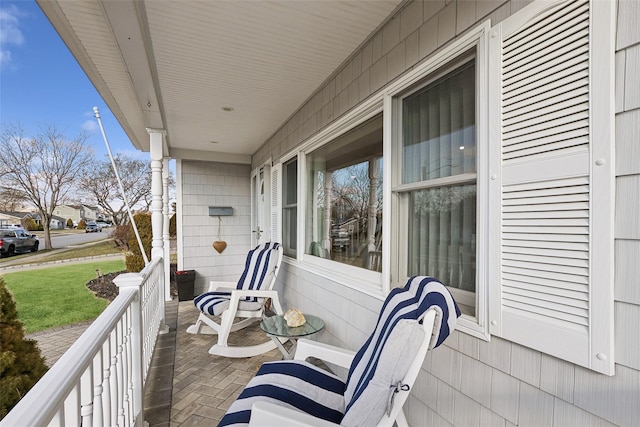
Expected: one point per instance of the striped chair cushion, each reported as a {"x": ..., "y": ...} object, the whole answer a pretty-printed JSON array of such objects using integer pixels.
[
  {"x": 294, "y": 384},
  {"x": 214, "y": 303},
  {"x": 259, "y": 270},
  {"x": 300, "y": 385},
  {"x": 411, "y": 302}
]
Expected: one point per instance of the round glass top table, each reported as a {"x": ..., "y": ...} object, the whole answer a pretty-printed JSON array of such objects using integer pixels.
[{"x": 276, "y": 328}]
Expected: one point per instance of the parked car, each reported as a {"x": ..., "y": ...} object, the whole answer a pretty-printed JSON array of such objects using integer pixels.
[
  {"x": 17, "y": 240},
  {"x": 92, "y": 227},
  {"x": 102, "y": 224}
]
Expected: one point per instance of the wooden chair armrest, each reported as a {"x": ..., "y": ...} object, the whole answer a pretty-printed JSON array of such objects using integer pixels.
[{"x": 268, "y": 414}]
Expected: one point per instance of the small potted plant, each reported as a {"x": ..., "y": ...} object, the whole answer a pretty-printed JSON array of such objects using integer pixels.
[{"x": 185, "y": 282}]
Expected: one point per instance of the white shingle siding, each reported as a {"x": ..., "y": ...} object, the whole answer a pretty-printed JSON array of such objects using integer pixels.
[
  {"x": 470, "y": 381},
  {"x": 212, "y": 184}
]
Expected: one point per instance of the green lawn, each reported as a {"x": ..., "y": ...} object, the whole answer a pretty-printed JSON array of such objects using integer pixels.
[{"x": 58, "y": 296}]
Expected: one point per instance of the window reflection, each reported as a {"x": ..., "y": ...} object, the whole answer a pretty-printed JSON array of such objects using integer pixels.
[{"x": 344, "y": 217}]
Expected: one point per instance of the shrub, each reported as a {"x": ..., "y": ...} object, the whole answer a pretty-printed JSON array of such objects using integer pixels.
[
  {"x": 29, "y": 224},
  {"x": 69, "y": 223},
  {"x": 120, "y": 236},
  {"x": 133, "y": 259},
  {"x": 172, "y": 226},
  {"x": 21, "y": 364},
  {"x": 82, "y": 224}
]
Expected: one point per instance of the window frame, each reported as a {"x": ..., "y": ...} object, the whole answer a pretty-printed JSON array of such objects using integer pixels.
[
  {"x": 473, "y": 45},
  {"x": 371, "y": 282},
  {"x": 309, "y": 227},
  {"x": 383, "y": 102},
  {"x": 283, "y": 187}
]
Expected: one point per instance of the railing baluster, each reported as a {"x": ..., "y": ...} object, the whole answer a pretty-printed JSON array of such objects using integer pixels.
[
  {"x": 106, "y": 382},
  {"x": 126, "y": 367},
  {"x": 120, "y": 374},
  {"x": 86, "y": 397},
  {"x": 113, "y": 377},
  {"x": 58, "y": 418},
  {"x": 98, "y": 372},
  {"x": 72, "y": 407}
]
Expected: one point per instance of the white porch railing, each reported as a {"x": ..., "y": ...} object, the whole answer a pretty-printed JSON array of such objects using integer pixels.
[{"x": 100, "y": 380}]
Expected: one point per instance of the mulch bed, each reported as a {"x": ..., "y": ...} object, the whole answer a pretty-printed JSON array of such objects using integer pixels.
[{"x": 103, "y": 286}]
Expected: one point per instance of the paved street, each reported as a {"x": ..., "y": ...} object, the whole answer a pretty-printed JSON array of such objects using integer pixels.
[
  {"x": 17, "y": 263},
  {"x": 65, "y": 240}
]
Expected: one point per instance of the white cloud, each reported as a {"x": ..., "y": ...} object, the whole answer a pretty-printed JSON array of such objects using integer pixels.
[
  {"x": 10, "y": 32},
  {"x": 134, "y": 154},
  {"x": 90, "y": 126},
  {"x": 5, "y": 57}
]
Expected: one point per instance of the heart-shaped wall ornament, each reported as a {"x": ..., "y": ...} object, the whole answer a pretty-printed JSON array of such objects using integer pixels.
[{"x": 219, "y": 245}]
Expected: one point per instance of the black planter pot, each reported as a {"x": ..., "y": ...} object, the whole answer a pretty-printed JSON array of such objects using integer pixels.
[{"x": 185, "y": 282}]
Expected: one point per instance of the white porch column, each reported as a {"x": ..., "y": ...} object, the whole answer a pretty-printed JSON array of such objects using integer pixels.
[
  {"x": 156, "y": 139},
  {"x": 166, "y": 241},
  {"x": 156, "y": 144}
]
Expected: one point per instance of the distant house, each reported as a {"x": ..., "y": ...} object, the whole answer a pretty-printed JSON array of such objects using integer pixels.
[
  {"x": 10, "y": 218},
  {"x": 74, "y": 212},
  {"x": 57, "y": 222},
  {"x": 15, "y": 218},
  {"x": 91, "y": 213}
]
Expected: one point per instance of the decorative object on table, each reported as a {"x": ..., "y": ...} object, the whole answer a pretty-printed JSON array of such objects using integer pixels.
[
  {"x": 219, "y": 245},
  {"x": 277, "y": 329},
  {"x": 185, "y": 282},
  {"x": 294, "y": 318}
]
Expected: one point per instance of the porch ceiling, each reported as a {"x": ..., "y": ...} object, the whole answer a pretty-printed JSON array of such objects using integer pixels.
[{"x": 177, "y": 65}]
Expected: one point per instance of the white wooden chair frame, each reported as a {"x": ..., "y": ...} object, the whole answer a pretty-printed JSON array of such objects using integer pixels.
[
  {"x": 207, "y": 325},
  {"x": 268, "y": 414}
]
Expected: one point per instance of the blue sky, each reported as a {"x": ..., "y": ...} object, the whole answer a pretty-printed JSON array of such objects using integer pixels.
[{"x": 41, "y": 83}]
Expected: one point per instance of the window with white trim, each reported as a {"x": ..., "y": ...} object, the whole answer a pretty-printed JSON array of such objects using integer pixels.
[
  {"x": 437, "y": 192},
  {"x": 290, "y": 207},
  {"x": 343, "y": 221}
]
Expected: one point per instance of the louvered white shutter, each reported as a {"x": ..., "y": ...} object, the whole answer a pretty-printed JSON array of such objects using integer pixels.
[
  {"x": 276, "y": 203},
  {"x": 551, "y": 180}
]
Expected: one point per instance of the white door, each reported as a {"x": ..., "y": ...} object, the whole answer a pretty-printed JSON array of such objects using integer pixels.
[{"x": 260, "y": 205}]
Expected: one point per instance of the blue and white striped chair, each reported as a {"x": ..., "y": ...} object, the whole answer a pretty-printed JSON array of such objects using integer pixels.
[
  {"x": 413, "y": 319},
  {"x": 245, "y": 301}
]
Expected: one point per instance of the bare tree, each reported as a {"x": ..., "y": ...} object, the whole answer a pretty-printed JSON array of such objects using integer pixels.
[
  {"x": 99, "y": 183},
  {"x": 350, "y": 196},
  {"x": 45, "y": 167},
  {"x": 12, "y": 199}
]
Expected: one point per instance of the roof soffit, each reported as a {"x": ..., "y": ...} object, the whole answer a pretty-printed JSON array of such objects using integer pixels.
[{"x": 177, "y": 65}]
